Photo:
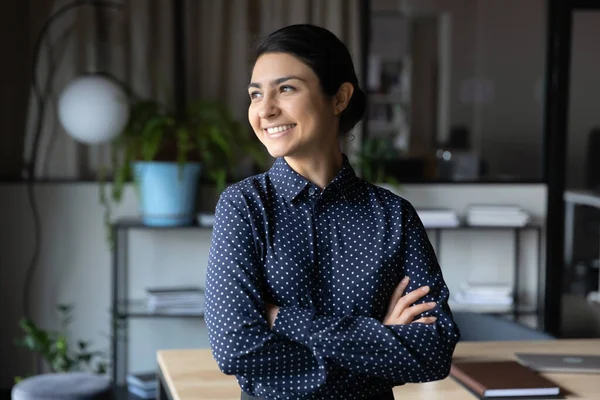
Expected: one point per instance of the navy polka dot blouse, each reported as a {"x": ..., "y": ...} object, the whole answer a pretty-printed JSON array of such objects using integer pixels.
[{"x": 330, "y": 259}]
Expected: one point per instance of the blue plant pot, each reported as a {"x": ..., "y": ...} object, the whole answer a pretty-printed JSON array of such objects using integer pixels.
[{"x": 167, "y": 195}]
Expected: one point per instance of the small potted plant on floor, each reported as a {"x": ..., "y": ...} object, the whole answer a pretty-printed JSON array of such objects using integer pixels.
[{"x": 55, "y": 350}]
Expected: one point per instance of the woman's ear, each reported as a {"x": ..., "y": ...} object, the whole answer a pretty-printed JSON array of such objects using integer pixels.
[{"x": 342, "y": 97}]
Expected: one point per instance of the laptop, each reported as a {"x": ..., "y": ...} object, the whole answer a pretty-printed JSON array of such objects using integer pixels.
[{"x": 570, "y": 363}]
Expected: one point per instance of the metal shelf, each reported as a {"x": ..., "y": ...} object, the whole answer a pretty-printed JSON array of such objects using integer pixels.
[
  {"x": 136, "y": 223},
  {"x": 464, "y": 226},
  {"x": 138, "y": 309}
]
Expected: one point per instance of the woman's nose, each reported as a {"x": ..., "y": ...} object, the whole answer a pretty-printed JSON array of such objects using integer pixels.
[{"x": 268, "y": 109}]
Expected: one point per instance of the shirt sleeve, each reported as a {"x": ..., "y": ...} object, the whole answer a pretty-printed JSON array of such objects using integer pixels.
[
  {"x": 399, "y": 353},
  {"x": 241, "y": 342}
]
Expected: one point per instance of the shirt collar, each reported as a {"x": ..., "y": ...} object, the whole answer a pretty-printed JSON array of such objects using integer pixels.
[{"x": 290, "y": 184}]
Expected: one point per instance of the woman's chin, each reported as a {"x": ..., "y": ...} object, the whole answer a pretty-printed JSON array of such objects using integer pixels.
[{"x": 277, "y": 152}]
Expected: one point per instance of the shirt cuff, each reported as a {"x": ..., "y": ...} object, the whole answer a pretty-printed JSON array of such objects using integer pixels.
[{"x": 294, "y": 323}]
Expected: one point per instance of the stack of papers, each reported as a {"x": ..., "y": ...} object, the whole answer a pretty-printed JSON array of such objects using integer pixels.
[
  {"x": 143, "y": 385},
  {"x": 497, "y": 215},
  {"x": 176, "y": 300},
  {"x": 438, "y": 218},
  {"x": 484, "y": 296}
]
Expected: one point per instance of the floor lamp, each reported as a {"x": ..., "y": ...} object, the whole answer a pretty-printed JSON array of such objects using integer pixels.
[{"x": 93, "y": 109}]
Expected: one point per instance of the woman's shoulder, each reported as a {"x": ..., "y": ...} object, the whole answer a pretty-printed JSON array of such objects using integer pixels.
[
  {"x": 387, "y": 195},
  {"x": 392, "y": 204},
  {"x": 251, "y": 187}
]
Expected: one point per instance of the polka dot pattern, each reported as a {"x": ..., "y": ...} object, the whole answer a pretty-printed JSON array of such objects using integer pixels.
[{"x": 330, "y": 259}]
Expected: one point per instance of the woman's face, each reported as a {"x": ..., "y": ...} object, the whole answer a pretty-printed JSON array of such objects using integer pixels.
[{"x": 288, "y": 111}]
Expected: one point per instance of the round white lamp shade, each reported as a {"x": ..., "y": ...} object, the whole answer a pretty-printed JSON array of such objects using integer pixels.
[{"x": 93, "y": 109}]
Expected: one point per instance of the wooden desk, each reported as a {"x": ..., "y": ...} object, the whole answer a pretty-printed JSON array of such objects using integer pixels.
[{"x": 193, "y": 374}]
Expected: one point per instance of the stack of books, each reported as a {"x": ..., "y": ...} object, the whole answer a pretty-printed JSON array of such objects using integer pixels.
[
  {"x": 438, "y": 218},
  {"x": 484, "y": 297},
  {"x": 497, "y": 215},
  {"x": 143, "y": 385},
  {"x": 179, "y": 300}
]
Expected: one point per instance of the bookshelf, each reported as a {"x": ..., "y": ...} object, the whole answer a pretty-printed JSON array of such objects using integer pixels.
[
  {"x": 515, "y": 310},
  {"x": 123, "y": 307}
]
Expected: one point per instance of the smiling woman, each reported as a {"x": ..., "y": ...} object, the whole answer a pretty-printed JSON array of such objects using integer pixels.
[{"x": 319, "y": 284}]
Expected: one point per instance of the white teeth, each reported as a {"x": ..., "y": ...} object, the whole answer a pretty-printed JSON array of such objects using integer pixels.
[{"x": 280, "y": 128}]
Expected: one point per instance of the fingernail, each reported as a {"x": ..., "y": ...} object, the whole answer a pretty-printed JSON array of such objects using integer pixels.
[
  {"x": 434, "y": 318},
  {"x": 405, "y": 279},
  {"x": 432, "y": 304},
  {"x": 425, "y": 288}
]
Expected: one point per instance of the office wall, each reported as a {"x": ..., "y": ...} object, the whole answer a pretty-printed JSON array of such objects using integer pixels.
[{"x": 75, "y": 261}]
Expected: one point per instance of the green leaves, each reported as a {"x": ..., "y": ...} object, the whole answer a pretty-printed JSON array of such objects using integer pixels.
[
  {"x": 152, "y": 136},
  {"x": 184, "y": 144},
  {"x": 371, "y": 161},
  {"x": 35, "y": 339},
  {"x": 54, "y": 349}
]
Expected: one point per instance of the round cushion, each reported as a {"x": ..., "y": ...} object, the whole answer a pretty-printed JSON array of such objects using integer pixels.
[{"x": 64, "y": 386}]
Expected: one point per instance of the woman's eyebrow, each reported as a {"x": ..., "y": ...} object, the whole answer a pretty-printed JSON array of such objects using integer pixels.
[{"x": 277, "y": 81}]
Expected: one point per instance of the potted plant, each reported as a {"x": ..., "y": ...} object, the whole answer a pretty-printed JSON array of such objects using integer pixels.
[
  {"x": 166, "y": 153},
  {"x": 53, "y": 347}
]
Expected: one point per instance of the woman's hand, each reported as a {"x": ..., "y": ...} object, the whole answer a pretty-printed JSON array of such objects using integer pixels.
[
  {"x": 401, "y": 309},
  {"x": 272, "y": 311}
]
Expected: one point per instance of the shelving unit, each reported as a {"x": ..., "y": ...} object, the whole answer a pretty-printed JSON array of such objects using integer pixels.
[
  {"x": 516, "y": 312},
  {"x": 124, "y": 308}
]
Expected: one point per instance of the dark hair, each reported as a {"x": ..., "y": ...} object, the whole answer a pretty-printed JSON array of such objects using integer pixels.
[{"x": 327, "y": 56}]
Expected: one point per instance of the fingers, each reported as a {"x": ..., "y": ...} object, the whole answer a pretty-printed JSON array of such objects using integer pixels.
[
  {"x": 399, "y": 291},
  {"x": 408, "y": 299},
  {"x": 425, "y": 320},
  {"x": 412, "y": 297},
  {"x": 420, "y": 308},
  {"x": 411, "y": 312}
]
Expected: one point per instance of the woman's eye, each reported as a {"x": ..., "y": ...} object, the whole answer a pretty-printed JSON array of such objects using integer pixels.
[
  {"x": 286, "y": 88},
  {"x": 255, "y": 95}
]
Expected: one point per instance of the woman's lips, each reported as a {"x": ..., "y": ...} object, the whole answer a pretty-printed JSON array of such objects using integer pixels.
[{"x": 279, "y": 131}]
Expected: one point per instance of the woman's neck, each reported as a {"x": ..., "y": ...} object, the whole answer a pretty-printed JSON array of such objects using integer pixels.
[{"x": 320, "y": 168}]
